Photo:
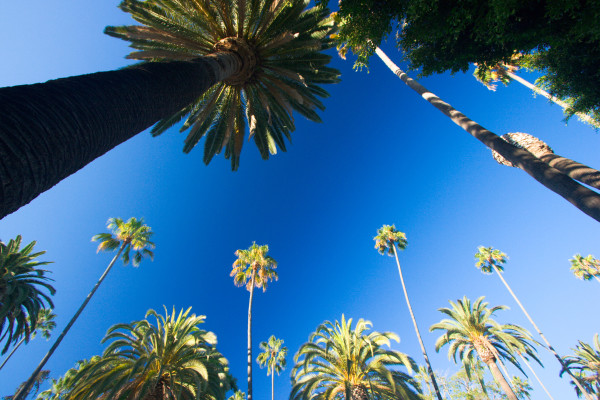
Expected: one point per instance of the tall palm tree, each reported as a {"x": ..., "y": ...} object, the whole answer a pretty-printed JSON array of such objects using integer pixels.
[
  {"x": 170, "y": 358},
  {"x": 344, "y": 363},
  {"x": 586, "y": 362},
  {"x": 386, "y": 241},
  {"x": 44, "y": 325},
  {"x": 24, "y": 291},
  {"x": 131, "y": 236},
  {"x": 273, "y": 356},
  {"x": 585, "y": 268},
  {"x": 225, "y": 63},
  {"x": 253, "y": 268},
  {"x": 581, "y": 197},
  {"x": 470, "y": 332},
  {"x": 490, "y": 260}
]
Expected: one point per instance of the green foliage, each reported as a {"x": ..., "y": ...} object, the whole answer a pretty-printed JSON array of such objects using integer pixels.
[
  {"x": 387, "y": 238},
  {"x": 238, "y": 395},
  {"x": 339, "y": 360},
  {"x": 287, "y": 42},
  {"x": 254, "y": 266},
  {"x": 61, "y": 387},
  {"x": 585, "y": 268},
  {"x": 586, "y": 366},
  {"x": 273, "y": 355},
  {"x": 41, "y": 377},
  {"x": 471, "y": 334},
  {"x": 172, "y": 359},
  {"x": 488, "y": 258},
  {"x": 130, "y": 235},
  {"x": 24, "y": 291}
]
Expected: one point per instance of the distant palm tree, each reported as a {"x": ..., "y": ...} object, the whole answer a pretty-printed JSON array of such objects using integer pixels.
[
  {"x": 60, "y": 388},
  {"x": 344, "y": 363},
  {"x": 273, "y": 356},
  {"x": 471, "y": 332},
  {"x": 128, "y": 236},
  {"x": 586, "y": 362},
  {"x": 585, "y": 268},
  {"x": 489, "y": 260},
  {"x": 45, "y": 325},
  {"x": 23, "y": 289},
  {"x": 253, "y": 268},
  {"x": 238, "y": 395},
  {"x": 227, "y": 64},
  {"x": 386, "y": 241},
  {"x": 171, "y": 358}
]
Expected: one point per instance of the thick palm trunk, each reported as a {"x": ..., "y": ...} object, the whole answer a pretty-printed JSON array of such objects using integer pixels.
[
  {"x": 549, "y": 346},
  {"x": 250, "y": 338},
  {"x": 501, "y": 380},
  {"x": 414, "y": 321},
  {"x": 581, "y": 197},
  {"x": 21, "y": 394},
  {"x": 573, "y": 169},
  {"x": 12, "y": 352},
  {"x": 50, "y": 130}
]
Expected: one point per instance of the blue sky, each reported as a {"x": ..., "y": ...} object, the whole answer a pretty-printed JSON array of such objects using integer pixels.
[{"x": 382, "y": 156}]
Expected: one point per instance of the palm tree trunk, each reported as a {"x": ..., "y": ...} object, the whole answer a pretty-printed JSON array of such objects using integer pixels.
[
  {"x": 536, "y": 377},
  {"x": 531, "y": 86},
  {"x": 21, "y": 394},
  {"x": 12, "y": 352},
  {"x": 412, "y": 315},
  {"x": 501, "y": 380},
  {"x": 549, "y": 346},
  {"x": 50, "y": 130},
  {"x": 573, "y": 169},
  {"x": 581, "y": 197},
  {"x": 250, "y": 337},
  {"x": 272, "y": 385}
]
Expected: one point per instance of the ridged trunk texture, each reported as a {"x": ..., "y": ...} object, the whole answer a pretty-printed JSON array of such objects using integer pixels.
[
  {"x": 581, "y": 197},
  {"x": 488, "y": 357},
  {"x": 50, "y": 130},
  {"x": 359, "y": 392}
]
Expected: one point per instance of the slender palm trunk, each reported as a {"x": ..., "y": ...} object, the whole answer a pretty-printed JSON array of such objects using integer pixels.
[
  {"x": 549, "y": 346},
  {"x": 531, "y": 86},
  {"x": 414, "y": 321},
  {"x": 250, "y": 337},
  {"x": 272, "y": 385},
  {"x": 12, "y": 352},
  {"x": 501, "y": 380},
  {"x": 50, "y": 130},
  {"x": 21, "y": 394},
  {"x": 536, "y": 377},
  {"x": 573, "y": 169},
  {"x": 581, "y": 197}
]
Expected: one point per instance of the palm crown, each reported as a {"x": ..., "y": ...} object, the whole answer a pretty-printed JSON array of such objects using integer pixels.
[
  {"x": 254, "y": 266},
  {"x": 22, "y": 290},
  {"x": 273, "y": 355},
  {"x": 340, "y": 362},
  {"x": 488, "y": 258},
  {"x": 586, "y": 362},
  {"x": 132, "y": 235},
  {"x": 388, "y": 237},
  {"x": 585, "y": 267},
  {"x": 280, "y": 44}
]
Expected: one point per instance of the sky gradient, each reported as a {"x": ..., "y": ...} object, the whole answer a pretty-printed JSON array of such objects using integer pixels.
[{"x": 382, "y": 156}]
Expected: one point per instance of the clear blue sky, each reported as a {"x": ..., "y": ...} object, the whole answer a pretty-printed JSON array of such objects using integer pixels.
[{"x": 382, "y": 156}]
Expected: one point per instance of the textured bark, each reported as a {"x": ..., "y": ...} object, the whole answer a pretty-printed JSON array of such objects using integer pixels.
[
  {"x": 50, "y": 130},
  {"x": 581, "y": 197},
  {"x": 359, "y": 392},
  {"x": 499, "y": 378}
]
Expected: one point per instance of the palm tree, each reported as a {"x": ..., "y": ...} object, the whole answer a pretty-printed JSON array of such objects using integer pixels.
[
  {"x": 489, "y": 260},
  {"x": 585, "y": 268},
  {"x": 44, "y": 325},
  {"x": 386, "y": 241},
  {"x": 128, "y": 236},
  {"x": 273, "y": 356},
  {"x": 23, "y": 289},
  {"x": 581, "y": 197},
  {"x": 171, "y": 358},
  {"x": 344, "y": 363},
  {"x": 224, "y": 63},
  {"x": 471, "y": 332},
  {"x": 253, "y": 268},
  {"x": 39, "y": 380},
  {"x": 61, "y": 388},
  {"x": 586, "y": 362},
  {"x": 238, "y": 395}
]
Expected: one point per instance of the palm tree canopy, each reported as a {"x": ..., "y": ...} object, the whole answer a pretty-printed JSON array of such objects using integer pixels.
[
  {"x": 338, "y": 359},
  {"x": 281, "y": 47},
  {"x": 45, "y": 323},
  {"x": 586, "y": 363},
  {"x": 387, "y": 237},
  {"x": 470, "y": 332},
  {"x": 172, "y": 357},
  {"x": 488, "y": 257},
  {"x": 585, "y": 267},
  {"x": 273, "y": 355},
  {"x": 133, "y": 235},
  {"x": 238, "y": 395},
  {"x": 24, "y": 290},
  {"x": 60, "y": 388},
  {"x": 254, "y": 259}
]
